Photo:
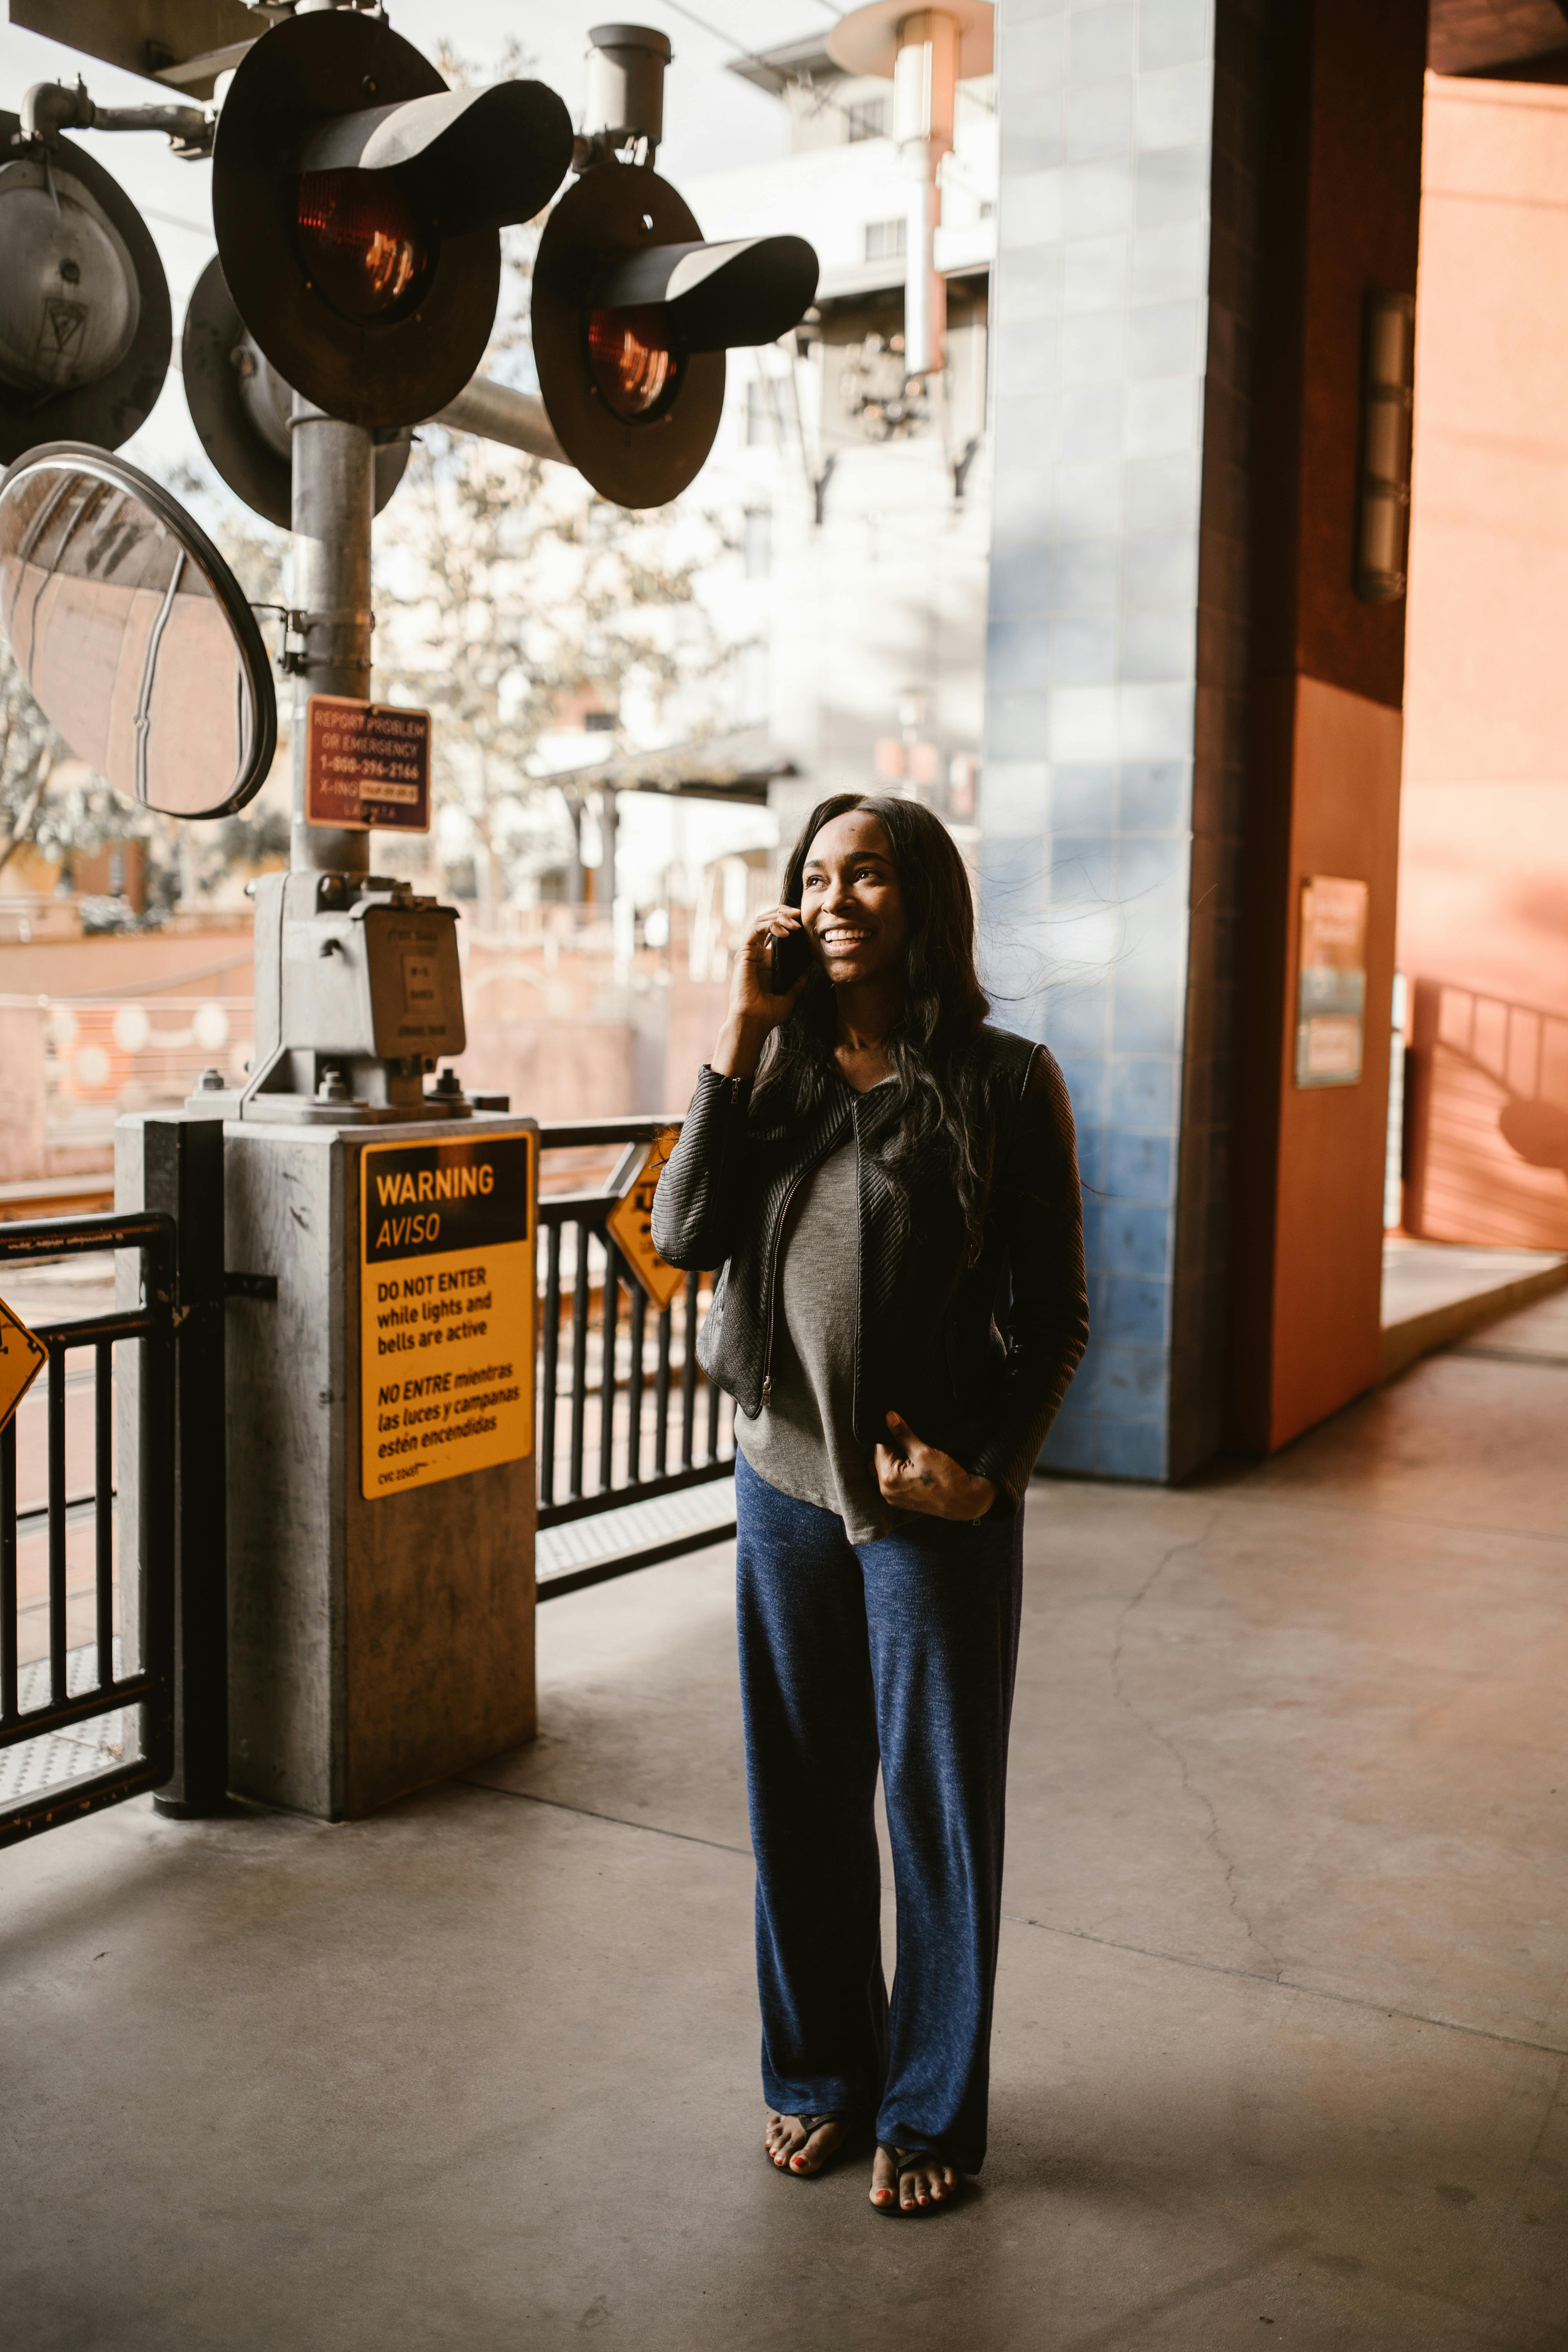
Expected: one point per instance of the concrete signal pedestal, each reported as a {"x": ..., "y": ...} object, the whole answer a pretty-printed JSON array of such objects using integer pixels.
[{"x": 380, "y": 1474}]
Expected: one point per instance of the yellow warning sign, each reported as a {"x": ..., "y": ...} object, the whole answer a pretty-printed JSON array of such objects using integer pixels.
[
  {"x": 22, "y": 1359},
  {"x": 445, "y": 1308},
  {"x": 630, "y": 1224}
]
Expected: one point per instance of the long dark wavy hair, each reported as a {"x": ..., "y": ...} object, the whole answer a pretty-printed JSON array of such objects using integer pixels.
[{"x": 939, "y": 1077}]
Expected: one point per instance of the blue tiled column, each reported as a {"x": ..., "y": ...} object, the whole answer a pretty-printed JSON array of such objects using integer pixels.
[{"x": 1115, "y": 679}]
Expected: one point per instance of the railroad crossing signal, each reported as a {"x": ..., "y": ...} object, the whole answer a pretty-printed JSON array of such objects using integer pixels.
[
  {"x": 242, "y": 408},
  {"x": 632, "y": 316},
  {"x": 84, "y": 304},
  {"x": 358, "y": 203}
]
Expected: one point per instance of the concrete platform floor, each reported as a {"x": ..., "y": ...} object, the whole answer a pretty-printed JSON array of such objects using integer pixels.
[
  {"x": 1418, "y": 1277},
  {"x": 1282, "y": 2028}
]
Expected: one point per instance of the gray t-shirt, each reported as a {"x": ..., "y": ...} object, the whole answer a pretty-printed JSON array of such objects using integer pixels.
[{"x": 803, "y": 1440}]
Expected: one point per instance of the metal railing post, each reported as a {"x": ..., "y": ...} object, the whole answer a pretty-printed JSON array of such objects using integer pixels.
[
  {"x": 175, "y": 1162},
  {"x": 142, "y": 1327}
]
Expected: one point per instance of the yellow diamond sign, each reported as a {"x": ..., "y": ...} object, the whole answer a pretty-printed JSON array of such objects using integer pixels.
[
  {"x": 630, "y": 1224},
  {"x": 22, "y": 1359}
]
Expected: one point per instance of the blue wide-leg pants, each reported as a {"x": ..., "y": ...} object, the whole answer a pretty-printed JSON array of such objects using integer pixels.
[{"x": 902, "y": 1653}]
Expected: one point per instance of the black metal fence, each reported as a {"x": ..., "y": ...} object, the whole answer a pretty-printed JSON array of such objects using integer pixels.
[
  {"x": 129, "y": 1669},
  {"x": 625, "y": 1412},
  {"x": 63, "y": 1603}
]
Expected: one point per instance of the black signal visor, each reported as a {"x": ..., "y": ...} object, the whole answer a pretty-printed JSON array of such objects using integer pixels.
[
  {"x": 716, "y": 297},
  {"x": 464, "y": 160}
]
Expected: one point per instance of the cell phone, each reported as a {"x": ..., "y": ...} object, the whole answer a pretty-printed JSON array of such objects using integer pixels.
[{"x": 788, "y": 957}]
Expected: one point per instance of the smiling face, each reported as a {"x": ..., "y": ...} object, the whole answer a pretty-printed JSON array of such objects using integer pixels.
[{"x": 850, "y": 901}]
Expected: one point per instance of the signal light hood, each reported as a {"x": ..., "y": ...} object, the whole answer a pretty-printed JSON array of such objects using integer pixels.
[
  {"x": 717, "y": 297},
  {"x": 470, "y": 159}
]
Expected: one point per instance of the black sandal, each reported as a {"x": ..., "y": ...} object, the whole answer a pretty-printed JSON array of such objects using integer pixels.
[
  {"x": 810, "y": 2123},
  {"x": 895, "y": 2210}
]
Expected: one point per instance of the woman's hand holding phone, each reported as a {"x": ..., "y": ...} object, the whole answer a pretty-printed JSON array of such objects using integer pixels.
[{"x": 765, "y": 981}]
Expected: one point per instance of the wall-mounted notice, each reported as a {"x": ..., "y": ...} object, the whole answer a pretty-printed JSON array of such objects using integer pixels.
[
  {"x": 1330, "y": 989},
  {"x": 445, "y": 1308},
  {"x": 366, "y": 763}
]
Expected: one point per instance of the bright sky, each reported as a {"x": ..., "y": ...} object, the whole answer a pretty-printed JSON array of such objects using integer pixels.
[{"x": 713, "y": 120}]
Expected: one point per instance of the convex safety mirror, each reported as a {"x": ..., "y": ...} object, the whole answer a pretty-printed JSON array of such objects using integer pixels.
[{"x": 133, "y": 633}]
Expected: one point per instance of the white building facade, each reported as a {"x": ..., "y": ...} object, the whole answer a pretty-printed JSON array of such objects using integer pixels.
[{"x": 860, "y": 508}]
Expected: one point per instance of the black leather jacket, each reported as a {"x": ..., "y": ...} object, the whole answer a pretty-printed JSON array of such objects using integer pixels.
[{"x": 976, "y": 1356}]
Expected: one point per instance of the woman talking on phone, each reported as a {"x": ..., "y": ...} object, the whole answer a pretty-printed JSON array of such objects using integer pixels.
[{"x": 891, "y": 1187}]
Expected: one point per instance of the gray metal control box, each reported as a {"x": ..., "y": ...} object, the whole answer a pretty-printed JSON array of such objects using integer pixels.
[
  {"x": 359, "y": 994},
  {"x": 379, "y": 977}
]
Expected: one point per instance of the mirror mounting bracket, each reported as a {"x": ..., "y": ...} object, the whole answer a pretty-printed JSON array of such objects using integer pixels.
[
  {"x": 295, "y": 658},
  {"x": 298, "y": 660}
]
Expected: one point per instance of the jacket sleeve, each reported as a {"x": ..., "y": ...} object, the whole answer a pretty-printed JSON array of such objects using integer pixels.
[
  {"x": 1041, "y": 1209},
  {"x": 695, "y": 1200}
]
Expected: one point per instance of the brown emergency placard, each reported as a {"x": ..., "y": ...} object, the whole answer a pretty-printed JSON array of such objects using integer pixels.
[
  {"x": 22, "y": 1359},
  {"x": 446, "y": 1244},
  {"x": 366, "y": 763},
  {"x": 630, "y": 1224}
]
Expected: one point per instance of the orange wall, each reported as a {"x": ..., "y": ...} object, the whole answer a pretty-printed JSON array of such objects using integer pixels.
[
  {"x": 1483, "y": 876},
  {"x": 1340, "y": 214},
  {"x": 109, "y": 966}
]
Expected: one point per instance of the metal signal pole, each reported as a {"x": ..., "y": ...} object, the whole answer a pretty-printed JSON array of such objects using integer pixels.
[{"x": 333, "y": 492}]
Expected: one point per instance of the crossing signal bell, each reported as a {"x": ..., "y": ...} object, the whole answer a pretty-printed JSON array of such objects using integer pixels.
[
  {"x": 358, "y": 202},
  {"x": 632, "y": 316}
]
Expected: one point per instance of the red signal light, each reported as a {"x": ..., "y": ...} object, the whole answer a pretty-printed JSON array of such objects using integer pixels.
[
  {"x": 635, "y": 368},
  {"x": 362, "y": 246}
]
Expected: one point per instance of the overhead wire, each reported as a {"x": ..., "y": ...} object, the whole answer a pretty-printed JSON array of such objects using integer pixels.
[
  {"x": 760, "y": 57},
  {"x": 176, "y": 220}
]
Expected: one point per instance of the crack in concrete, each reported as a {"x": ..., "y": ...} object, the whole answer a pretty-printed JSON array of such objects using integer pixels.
[
  {"x": 1146, "y": 1723},
  {"x": 588, "y": 1814},
  {"x": 1295, "y": 1986},
  {"x": 1281, "y": 1983},
  {"x": 1522, "y": 2182}
]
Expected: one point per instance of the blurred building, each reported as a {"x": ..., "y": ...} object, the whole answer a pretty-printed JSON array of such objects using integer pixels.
[
  {"x": 1483, "y": 858},
  {"x": 861, "y": 505}
]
